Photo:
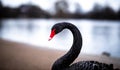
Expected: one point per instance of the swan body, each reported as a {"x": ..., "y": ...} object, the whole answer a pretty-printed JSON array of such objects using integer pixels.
[{"x": 65, "y": 62}]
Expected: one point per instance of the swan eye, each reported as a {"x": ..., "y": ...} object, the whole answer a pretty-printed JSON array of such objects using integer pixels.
[{"x": 52, "y": 34}]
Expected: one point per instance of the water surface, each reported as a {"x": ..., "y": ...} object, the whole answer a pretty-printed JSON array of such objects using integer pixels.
[{"x": 98, "y": 36}]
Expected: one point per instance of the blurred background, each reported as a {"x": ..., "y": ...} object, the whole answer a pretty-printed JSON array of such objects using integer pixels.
[{"x": 30, "y": 22}]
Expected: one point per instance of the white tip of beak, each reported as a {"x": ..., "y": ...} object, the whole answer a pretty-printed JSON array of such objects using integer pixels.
[{"x": 49, "y": 39}]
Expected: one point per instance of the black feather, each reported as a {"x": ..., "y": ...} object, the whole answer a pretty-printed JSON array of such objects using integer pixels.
[{"x": 64, "y": 62}]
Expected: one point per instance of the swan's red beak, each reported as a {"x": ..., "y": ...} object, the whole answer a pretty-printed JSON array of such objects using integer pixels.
[{"x": 52, "y": 34}]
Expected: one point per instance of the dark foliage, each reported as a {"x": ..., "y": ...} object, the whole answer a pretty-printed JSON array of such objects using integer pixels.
[{"x": 61, "y": 7}]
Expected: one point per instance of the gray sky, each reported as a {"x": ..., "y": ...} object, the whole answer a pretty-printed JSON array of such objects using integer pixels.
[{"x": 86, "y": 5}]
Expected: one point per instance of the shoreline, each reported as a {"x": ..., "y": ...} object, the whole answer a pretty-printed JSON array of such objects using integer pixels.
[{"x": 19, "y": 56}]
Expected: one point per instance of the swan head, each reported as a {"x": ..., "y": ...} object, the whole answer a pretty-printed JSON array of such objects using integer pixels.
[{"x": 57, "y": 28}]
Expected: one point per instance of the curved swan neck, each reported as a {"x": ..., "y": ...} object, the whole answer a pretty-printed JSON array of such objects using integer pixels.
[{"x": 73, "y": 53}]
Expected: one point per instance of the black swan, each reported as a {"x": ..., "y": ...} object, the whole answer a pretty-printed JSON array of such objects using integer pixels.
[{"x": 64, "y": 63}]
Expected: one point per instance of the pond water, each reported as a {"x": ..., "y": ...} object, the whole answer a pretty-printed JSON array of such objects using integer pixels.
[{"x": 98, "y": 36}]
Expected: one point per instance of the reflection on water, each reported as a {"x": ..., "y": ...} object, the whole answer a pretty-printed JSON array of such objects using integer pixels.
[{"x": 98, "y": 36}]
